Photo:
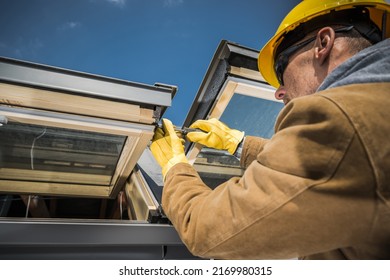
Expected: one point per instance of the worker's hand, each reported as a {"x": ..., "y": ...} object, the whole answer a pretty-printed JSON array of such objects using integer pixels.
[
  {"x": 167, "y": 148},
  {"x": 216, "y": 135}
]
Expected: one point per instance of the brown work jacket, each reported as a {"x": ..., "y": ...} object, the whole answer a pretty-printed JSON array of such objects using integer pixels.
[{"x": 319, "y": 188}]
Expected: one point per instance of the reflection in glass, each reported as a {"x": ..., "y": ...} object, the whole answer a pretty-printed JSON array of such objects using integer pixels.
[
  {"x": 255, "y": 116},
  {"x": 27, "y": 147}
]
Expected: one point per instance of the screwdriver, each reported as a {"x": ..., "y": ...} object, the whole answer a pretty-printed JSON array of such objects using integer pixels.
[{"x": 183, "y": 130}]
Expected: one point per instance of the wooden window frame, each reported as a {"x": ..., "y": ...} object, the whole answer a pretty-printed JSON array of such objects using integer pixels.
[
  {"x": 137, "y": 138},
  {"x": 141, "y": 202}
]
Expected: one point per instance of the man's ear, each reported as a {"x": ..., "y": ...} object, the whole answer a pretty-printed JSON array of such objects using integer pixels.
[{"x": 324, "y": 44}]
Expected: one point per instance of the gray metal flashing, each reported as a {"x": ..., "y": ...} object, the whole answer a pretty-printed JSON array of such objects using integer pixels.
[
  {"x": 243, "y": 50},
  {"x": 215, "y": 66},
  {"x": 59, "y": 79},
  {"x": 30, "y": 239},
  {"x": 204, "y": 102},
  {"x": 95, "y": 252},
  {"x": 23, "y": 232}
]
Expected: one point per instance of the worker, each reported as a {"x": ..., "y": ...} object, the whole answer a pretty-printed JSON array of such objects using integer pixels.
[{"x": 320, "y": 187}]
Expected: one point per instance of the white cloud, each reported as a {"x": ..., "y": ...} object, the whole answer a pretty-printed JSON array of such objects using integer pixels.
[
  {"x": 119, "y": 3},
  {"x": 172, "y": 3},
  {"x": 70, "y": 25}
]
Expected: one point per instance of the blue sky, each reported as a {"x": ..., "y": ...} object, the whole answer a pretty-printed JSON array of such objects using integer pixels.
[{"x": 144, "y": 41}]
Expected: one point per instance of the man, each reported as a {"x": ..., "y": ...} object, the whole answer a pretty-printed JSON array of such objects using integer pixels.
[{"x": 320, "y": 188}]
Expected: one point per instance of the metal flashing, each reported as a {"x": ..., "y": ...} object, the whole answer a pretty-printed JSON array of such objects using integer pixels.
[{"x": 64, "y": 80}]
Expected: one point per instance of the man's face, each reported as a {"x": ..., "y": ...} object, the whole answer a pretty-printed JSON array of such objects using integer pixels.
[
  {"x": 302, "y": 67},
  {"x": 295, "y": 70},
  {"x": 299, "y": 77}
]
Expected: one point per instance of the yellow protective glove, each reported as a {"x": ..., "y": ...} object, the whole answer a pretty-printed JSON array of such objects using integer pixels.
[
  {"x": 216, "y": 135},
  {"x": 167, "y": 148}
]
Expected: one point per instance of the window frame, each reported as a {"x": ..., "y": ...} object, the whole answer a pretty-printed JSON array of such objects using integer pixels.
[
  {"x": 232, "y": 70},
  {"x": 137, "y": 138},
  {"x": 44, "y": 95}
]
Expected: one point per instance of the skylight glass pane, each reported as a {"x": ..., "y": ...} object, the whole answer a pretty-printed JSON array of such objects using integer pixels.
[
  {"x": 49, "y": 154},
  {"x": 255, "y": 116}
]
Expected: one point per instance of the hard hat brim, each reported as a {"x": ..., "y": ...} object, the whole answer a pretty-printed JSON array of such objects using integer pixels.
[{"x": 267, "y": 53}]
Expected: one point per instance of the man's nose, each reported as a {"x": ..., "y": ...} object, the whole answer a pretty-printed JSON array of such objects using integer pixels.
[{"x": 280, "y": 93}]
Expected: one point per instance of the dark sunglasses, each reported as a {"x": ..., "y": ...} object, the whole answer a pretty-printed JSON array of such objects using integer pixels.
[{"x": 282, "y": 59}]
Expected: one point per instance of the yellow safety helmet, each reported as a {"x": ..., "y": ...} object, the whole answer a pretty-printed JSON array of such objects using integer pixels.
[{"x": 309, "y": 11}]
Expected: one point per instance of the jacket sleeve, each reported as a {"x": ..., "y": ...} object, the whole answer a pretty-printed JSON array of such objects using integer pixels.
[
  {"x": 252, "y": 147},
  {"x": 297, "y": 198}
]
